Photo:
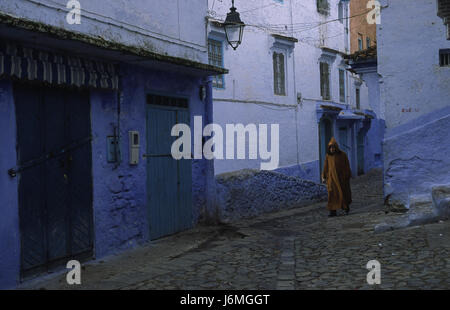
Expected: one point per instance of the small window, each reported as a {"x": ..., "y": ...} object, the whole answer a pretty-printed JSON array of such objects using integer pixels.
[
  {"x": 341, "y": 12},
  {"x": 325, "y": 81},
  {"x": 358, "y": 98},
  {"x": 322, "y": 6},
  {"x": 367, "y": 42},
  {"x": 280, "y": 1},
  {"x": 279, "y": 78},
  {"x": 360, "y": 42},
  {"x": 444, "y": 58},
  {"x": 342, "y": 85},
  {"x": 215, "y": 57}
]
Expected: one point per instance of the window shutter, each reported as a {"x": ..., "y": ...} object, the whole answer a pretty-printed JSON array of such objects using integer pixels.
[
  {"x": 358, "y": 98},
  {"x": 282, "y": 76},
  {"x": 324, "y": 81},
  {"x": 275, "y": 73},
  {"x": 327, "y": 81},
  {"x": 279, "y": 79},
  {"x": 216, "y": 58},
  {"x": 321, "y": 81},
  {"x": 342, "y": 85}
]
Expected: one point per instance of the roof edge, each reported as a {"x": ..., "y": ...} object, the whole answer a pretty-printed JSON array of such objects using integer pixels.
[{"x": 64, "y": 34}]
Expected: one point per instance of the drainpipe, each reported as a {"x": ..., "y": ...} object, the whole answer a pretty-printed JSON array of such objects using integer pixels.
[
  {"x": 295, "y": 89},
  {"x": 211, "y": 211}
]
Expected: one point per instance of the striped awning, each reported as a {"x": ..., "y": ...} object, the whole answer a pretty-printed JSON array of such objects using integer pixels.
[{"x": 31, "y": 64}]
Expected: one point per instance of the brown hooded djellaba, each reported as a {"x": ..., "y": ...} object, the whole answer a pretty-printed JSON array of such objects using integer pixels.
[{"x": 337, "y": 173}]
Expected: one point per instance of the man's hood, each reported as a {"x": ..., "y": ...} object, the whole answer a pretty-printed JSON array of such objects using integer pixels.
[{"x": 336, "y": 145}]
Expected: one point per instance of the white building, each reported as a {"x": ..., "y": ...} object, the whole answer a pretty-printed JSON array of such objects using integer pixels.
[
  {"x": 414, "y": 68},
  {"x": 290, "y": 71}
]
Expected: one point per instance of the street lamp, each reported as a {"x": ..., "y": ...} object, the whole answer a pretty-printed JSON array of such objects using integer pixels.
[{"x": 234, "y": 28}]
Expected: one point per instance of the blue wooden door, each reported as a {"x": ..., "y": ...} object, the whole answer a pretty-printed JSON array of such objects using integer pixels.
[
  {"x": 169, "y": 180},
  {"x": 325, "y": 135},
  {"x": 54, "y": 171},
  {"x": 343, "y": 140},
  {"x": 360, "y": 152}
]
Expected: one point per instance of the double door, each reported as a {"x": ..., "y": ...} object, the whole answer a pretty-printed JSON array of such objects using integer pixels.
[{"x": 55, "y": 176}]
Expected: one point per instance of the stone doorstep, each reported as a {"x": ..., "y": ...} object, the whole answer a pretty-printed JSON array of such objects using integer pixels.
[
  {"x": 441, "y": 199},
  {"x": 423, "y": 209}
]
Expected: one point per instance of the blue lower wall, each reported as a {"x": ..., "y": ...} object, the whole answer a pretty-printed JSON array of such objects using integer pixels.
[
  {"x": 120, "y": 193},
  {"x": 416, "y": 156},
  {"x": 307, "y": 171},
  {"x": 373, "y": 153}
]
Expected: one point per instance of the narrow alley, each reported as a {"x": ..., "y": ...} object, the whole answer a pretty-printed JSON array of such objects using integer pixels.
[{"x": 300, "y": 248}]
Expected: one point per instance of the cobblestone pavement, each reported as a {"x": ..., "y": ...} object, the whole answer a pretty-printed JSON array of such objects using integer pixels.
[{"x": 293, "y": 249}]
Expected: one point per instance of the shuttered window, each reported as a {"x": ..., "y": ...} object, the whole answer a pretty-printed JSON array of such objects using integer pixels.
[
  {"x": 342, "y": 85},
  {"x": 358, "y": 98},
  {"x": 324, "y": 81},
  {"x": 322, "y": 6},
  {"x": 279, "y": 79},
  {"x": 215, "y": 56}
]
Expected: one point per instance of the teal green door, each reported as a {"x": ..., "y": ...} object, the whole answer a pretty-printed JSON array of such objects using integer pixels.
[{"x": 169, "y": 181}]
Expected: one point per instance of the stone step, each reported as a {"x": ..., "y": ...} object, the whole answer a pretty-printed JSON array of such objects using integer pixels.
[
  {"x": 441, "y": 200},
  {"x": 421, "y": 211}
]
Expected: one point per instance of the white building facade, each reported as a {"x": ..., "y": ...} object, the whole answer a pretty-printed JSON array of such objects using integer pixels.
[
  {"x": 414, "y": 68},
  {"x": 290, "y": 70}
]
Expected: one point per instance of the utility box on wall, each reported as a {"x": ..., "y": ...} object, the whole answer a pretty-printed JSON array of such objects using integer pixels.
[{"x": 134, "y": 147}]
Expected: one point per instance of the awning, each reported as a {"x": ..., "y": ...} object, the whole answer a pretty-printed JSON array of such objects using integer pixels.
[
  {"x": 348, "y": 114},
  {"x": 26, "y": 63}
]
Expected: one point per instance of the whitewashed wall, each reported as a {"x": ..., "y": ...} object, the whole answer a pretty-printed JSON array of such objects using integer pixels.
[
  {"x": 249, "y": 97},
  {"x": 172, "y": 27},
  {"x": 409, "y": 39}
]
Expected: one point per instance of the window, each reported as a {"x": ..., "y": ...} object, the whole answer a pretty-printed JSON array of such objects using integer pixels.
[
  {"x": 342, "y": 85},
  {"x": 325, "y": 81},
  {"x": 215, "y": 56},
  {"x": 367, "y": 42},
  {"x": 281, "y": 1},
  {"x": 341, "y": 12},
  {"x": 358, "y": 98},
  {"x": 360, "y": 42},
  {"x": 279, "y": 74},
  {"x": 444, "y": 58},
  {"x": 322, "y": 6}
]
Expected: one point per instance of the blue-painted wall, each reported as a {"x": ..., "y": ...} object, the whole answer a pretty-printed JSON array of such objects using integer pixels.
[
  {"x": 417, "y": 156},
  {"x": 120, "y": 206},
  {"x": 307, "y": 171}
]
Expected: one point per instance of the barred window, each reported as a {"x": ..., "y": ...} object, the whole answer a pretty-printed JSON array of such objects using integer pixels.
[
  {"x": 279, "y": 79},
  {"x": 444, "y": 58},
  {"x": 342, "y": 85},
  {"x": 325, "y": 81},
  {"x": 215, "y": 56}
]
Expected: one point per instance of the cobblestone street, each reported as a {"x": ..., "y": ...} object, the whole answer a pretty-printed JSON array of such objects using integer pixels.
[{"x": 293, "y": 249}]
